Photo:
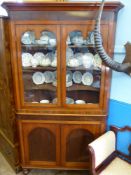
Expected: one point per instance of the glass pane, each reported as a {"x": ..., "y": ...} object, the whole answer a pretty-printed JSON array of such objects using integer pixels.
[
  {"x": 39, "y": 67},
  {"x": 83, "y": 69}
]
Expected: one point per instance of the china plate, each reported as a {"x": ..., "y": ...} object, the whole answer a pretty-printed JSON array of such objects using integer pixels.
[
  {"x": 39, "y": 57},
  {"x": 87, "y": 78},
  {"x": 26, "y": 59},
  {"x": 28, "y": 38},
  {"x": 69, "y": 100},
  {"x": 69, "y": 76},
  {"x": 38, "y": 78},
  {"x": 88, "y": 60},
  {"x": 49, "y": 77},
  {"x": 77, "y": 77},
  {"x": 98, "y": 61}
]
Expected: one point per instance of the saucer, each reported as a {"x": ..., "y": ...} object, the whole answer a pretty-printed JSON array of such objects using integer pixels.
[{"x": 80, "y": 102}]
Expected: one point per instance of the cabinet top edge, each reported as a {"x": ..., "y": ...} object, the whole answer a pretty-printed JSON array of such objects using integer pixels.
[{"x": 36, "y": 6}]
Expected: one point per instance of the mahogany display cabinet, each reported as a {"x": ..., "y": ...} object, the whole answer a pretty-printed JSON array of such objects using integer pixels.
[{"x": 54, "y": 87}]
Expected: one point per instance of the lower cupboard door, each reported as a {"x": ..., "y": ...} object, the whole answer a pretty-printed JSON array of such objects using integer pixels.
[
  {"x": 39, "y": 144},
  {"x": 75, "y": 139}
]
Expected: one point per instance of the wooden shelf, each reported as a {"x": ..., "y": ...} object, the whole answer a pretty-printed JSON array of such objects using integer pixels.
[
  {"x": 82, "y": 46},
  {"x": 44, "y": 86},
  {"x": 81, "y": 68},
  {"x": 39, "y": 68},
  {"x": 30, "y": 46},
  {"x": 81, "y": 87}
]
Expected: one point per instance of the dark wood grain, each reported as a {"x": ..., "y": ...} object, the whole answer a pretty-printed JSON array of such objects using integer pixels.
[{"x": 8, "y": 132}]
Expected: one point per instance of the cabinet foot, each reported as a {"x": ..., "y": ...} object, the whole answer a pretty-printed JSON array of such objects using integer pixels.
[{"x": 25, "y": 171}]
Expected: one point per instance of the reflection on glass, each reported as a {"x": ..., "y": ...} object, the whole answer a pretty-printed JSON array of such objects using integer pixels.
[
  {"x": 39, "y": 66},
  {"x": 83, "y": 69}
]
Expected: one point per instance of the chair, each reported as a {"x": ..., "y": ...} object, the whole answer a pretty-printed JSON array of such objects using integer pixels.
[{"x": 105, "y": 158}]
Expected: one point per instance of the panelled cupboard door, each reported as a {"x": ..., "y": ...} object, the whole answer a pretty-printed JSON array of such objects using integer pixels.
[
  {"x": 83, "y": 81},
  {"x": 74, "y": 141},
  {"x": 40, "y": 144},
  {"x": 37, "y": 66}
]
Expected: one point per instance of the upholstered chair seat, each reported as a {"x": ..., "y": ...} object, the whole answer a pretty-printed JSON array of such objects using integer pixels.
[
  {"x": 105, "y": 159},
  {"x": 117, "y": 167}
]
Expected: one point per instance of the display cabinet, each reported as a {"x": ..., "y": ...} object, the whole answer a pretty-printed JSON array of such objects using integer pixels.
[{"x": 60, "y": 85}]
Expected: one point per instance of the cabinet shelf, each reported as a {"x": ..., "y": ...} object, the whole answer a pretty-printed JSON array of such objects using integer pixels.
[
  {"x": 32, "y": 86},
  {"x": 33, "y": 46},
  {"x": 40, "y": 68},
  {"x": 80, "y": 87},
  {"x": 81, "y": 68},
  {"x": 82, "y": 46}
]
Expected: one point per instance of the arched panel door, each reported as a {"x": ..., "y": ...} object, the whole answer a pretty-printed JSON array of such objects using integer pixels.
[
  {"x": 40, "y": 144},
  {"x": 75, "y": 139}
]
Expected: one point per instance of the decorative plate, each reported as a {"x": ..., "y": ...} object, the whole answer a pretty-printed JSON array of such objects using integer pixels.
[
  {"x": 39, "y": 57},
  {"x": 38, "y": 78},
  {"x": 28, "y": 38},
  {"x": 26, "y": 59},
  {"x": 77, "y": 77},
  {"x": 54, "y": 101},
  {"x": 54, "y": 62},
  {"x": 73, "y": 62},
  {"x": 49, "y": 77},
  {"x": 69, "y": 76},
  {"x": 87, "y": 78},
  {"x": 88, "y": 60},
  {"x": 68, "y": 84},
  {"x": 69, "y": 100},
  {"x": 97, "y": 61}
]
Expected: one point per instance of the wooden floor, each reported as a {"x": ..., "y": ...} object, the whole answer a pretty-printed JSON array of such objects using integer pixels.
[{"x": 5, "y": 169}]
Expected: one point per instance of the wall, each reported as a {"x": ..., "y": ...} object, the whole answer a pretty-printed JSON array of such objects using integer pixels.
[{"x": 120, "y": 97}]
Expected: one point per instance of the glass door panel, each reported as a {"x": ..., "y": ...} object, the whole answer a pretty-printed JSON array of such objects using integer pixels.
[
  {"x": 83, "y": 68},
  {"x": 39, "y": 62}
]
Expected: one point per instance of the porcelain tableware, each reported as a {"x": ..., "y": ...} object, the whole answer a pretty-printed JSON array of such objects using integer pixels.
[
  {"x": 39, "y": 56},
  {"x": 87, "y": 78},
  {"x": 45, "y": 101},
  {"x": 73, "y": 62},
  {"x": 77, "y": 40},
  {"x": 69, "y": 100},
  {"x": 88, "y": 60},
  {"x": 28, "y": 38},
  {"x": 54, "y": 101},
  {"x": 52, "y": 42},
  {"x": 49, "y": 77},
  {"x": 80, "y": 102},
  {"x": 77, "y": 77},
  {"x": 97, "y": 61},
  {"x": 38, "y": 78},
  {"x": 26, "y": 59},
  {"x": 34, "y": 62}
]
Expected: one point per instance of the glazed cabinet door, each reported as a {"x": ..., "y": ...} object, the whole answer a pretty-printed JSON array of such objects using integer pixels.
[
  {"x": 37, "y": 66},
  {"x": 40, "y": 144},
  {"x": 74, "y": 141},
  {"x": 84, "y": 75}
]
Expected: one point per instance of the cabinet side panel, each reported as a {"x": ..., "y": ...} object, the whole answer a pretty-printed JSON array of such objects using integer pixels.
[{"x": 7, "y": 114}]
